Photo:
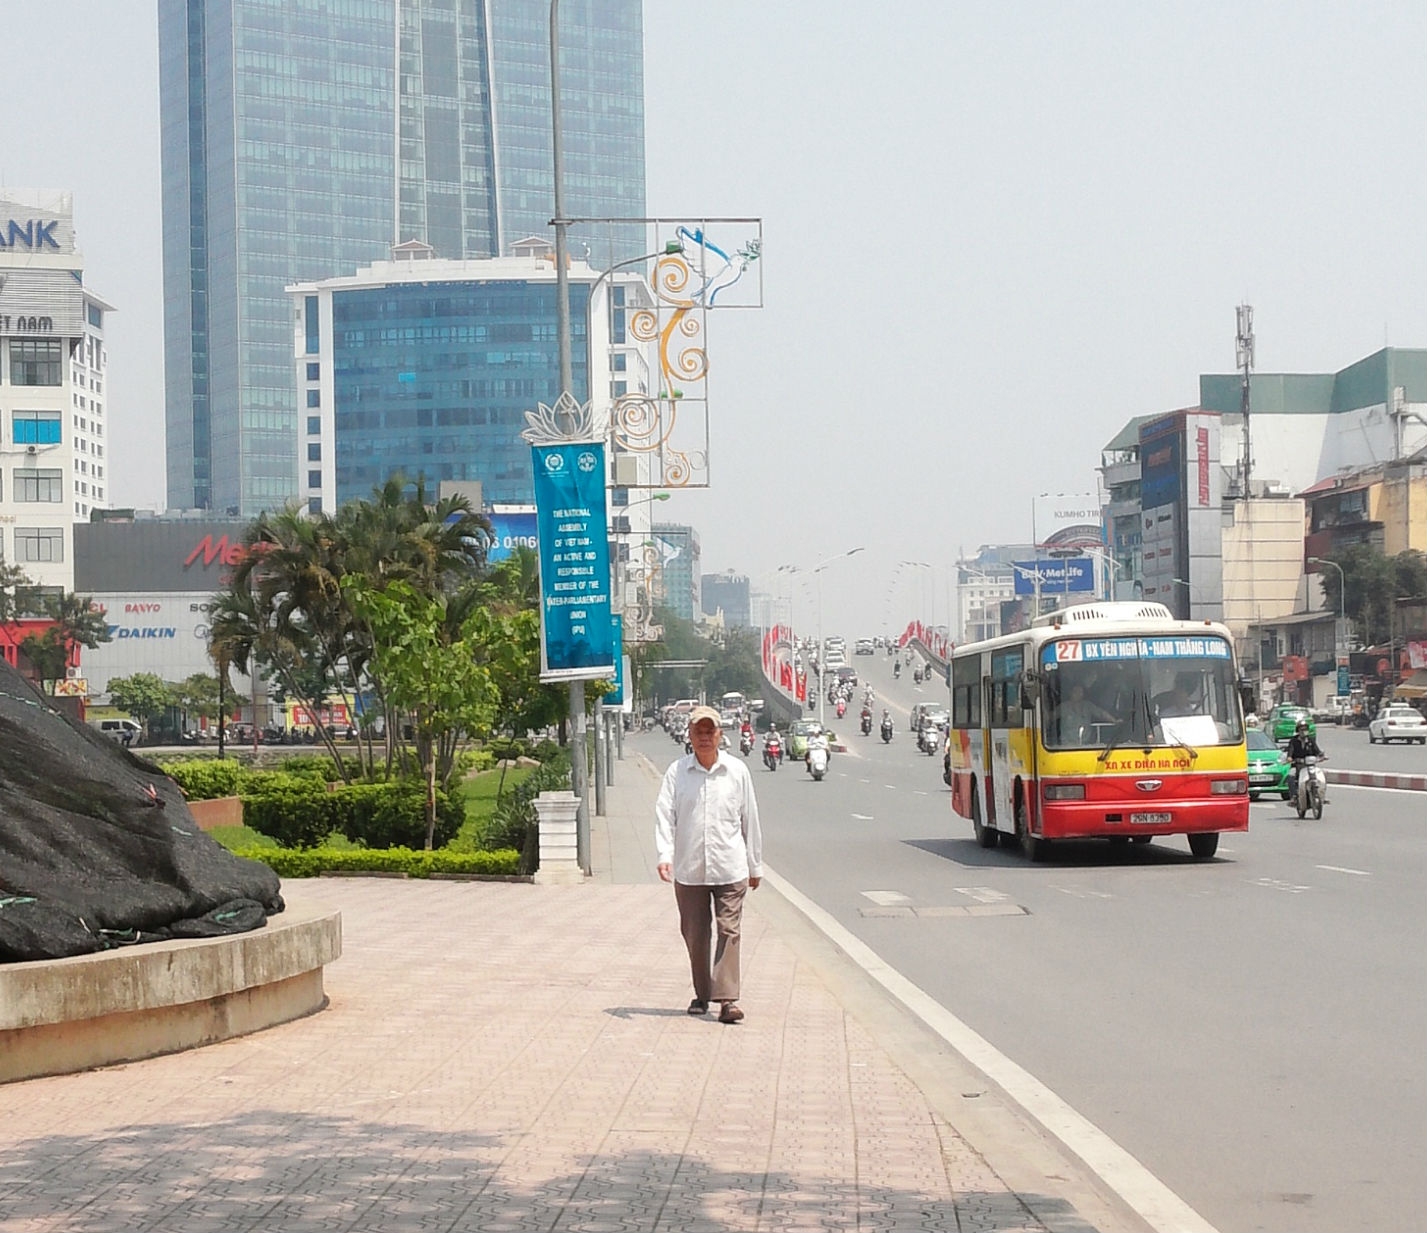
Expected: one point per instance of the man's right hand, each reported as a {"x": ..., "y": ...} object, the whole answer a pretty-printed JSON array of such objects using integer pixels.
[{"x": 666, "y": 872}]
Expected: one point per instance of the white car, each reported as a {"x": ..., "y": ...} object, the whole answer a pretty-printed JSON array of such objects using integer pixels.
[{"x": 1398, "y": 723}]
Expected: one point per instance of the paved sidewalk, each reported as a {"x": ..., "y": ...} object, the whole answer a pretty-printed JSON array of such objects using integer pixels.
[{"x": 514, "y": 1057}]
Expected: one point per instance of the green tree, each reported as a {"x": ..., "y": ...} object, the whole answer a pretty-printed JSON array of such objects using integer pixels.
[
  {"x": 1374, "y": 582},
  {"x": 429, "y": 671},
  {"x": 144, "y": 695},
  {"x": 13, "y": 583},
  {"x": 197, "y": 696},
  {"x": 77, "y": 622}
]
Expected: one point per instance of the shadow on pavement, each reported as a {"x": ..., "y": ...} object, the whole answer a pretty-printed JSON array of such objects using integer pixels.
[
  {"x": 305, "y": 1172},
  {"x": 1068, "y": 853}
]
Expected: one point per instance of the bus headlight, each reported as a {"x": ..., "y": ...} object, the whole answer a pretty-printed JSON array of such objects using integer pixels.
[
  {"x": 1228, "y": 787},
  {"x": 1065, "y": 791}
]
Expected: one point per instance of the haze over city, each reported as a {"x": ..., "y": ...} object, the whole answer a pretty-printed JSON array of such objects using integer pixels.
[{"x": 992, "y": 234}]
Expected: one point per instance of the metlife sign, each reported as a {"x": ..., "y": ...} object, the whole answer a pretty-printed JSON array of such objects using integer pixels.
[
  {"x": 1068, "y": 576},
  {"x": 576, "y": 632}
]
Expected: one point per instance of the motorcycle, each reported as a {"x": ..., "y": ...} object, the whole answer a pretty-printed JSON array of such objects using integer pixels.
[
  {"x": 886, "y": 731},
  {"x": 817, "y": 762},
  {"x": 841, "y": 708},
  {"x": 1312, "y": 788},
  {"x": 897, "y": 671},
  {"x": 772, "y": 753},
  {"x": 866, "y": 722},
  {"x": 745, "y": 744}
]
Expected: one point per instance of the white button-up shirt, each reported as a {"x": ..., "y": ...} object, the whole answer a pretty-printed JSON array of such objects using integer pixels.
[{"x": 706, "y": 822}]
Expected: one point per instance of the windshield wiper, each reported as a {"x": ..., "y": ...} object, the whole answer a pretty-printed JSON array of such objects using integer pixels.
[{"x": 1189, "y": 749}]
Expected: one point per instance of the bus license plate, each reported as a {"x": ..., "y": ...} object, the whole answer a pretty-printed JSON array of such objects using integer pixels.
[{"x": 1151, "y": 819}]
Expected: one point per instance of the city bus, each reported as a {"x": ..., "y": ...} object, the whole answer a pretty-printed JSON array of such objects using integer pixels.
[{"x": 1106, "y": 720}]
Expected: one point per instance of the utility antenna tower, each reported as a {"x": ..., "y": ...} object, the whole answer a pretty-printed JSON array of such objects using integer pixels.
[{"x": 1244, "y": 362}]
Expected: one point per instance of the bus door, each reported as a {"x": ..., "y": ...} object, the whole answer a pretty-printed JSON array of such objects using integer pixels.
[{"x": 989, "y": 768}]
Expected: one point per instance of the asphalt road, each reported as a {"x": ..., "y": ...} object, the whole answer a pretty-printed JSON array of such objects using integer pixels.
[{"x": 1251, "y": 1028}]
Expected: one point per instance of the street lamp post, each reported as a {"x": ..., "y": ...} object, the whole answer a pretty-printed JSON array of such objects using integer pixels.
[{"x": 1338, "y": 638}]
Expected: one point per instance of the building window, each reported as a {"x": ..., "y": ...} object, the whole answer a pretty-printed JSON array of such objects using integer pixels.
[
  {"x": 314, "y": 372},
  {"x": 39, "y": 544},
  {"x": 314, "y": 451},
  {"x": 37, "y": 428},
  {"x": 314, "y": 505},
  {"x": 620, "y": 362},
  {"x": 310, "y": 316},
  {"x": 39, "y": 484},
  {"x": 314, "y": 479},
  {"x": 314, "y": 425},
  {"x": 35, "y": 361},
  {"x": 314, "y": 398},
  {"x": 95, "y": 315}
]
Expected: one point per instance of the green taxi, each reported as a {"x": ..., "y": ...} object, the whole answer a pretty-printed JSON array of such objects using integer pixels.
[
  {"x": 798, "y": 737},
  {"x": 1269, "y": 767},
  {"x": 1284, "y": 719}
]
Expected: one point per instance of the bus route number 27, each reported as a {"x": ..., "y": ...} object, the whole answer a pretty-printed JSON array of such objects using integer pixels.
[{"x": 1067, "y": 652}]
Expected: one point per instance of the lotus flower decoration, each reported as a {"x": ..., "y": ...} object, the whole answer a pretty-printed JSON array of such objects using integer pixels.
[{"x": 567, "y": 420}]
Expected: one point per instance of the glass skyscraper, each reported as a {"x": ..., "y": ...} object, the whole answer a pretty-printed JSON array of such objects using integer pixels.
[{"x": 302, "y": 140}]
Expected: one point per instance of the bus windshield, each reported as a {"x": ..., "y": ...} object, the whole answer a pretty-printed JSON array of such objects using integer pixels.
[{"x": 1102, "y": 692}]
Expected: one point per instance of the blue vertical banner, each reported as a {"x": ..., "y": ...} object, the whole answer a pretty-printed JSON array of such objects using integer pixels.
[
  {"x": 576, "y": 633},
  {"x": 616, "y": 699}
]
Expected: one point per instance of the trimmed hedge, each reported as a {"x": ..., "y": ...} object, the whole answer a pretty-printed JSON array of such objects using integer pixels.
[
  {"x": 310, "y": 862},
  {"x": 301, "y": 813},
  {"x": 206, "y": 779}
]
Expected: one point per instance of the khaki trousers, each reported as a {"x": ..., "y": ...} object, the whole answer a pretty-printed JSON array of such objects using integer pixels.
[{"x": 702, "y": 910}]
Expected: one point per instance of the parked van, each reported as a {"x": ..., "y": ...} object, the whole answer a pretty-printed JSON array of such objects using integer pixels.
[{"x": 125, "y": 731}]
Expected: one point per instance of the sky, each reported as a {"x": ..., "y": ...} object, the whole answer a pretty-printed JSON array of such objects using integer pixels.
[{"x": 993, "y": 233}]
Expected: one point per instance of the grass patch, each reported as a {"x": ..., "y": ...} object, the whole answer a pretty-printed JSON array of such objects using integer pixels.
[
  {"x": 480, "y": 801},
  {"x": 235, "y": 837}
]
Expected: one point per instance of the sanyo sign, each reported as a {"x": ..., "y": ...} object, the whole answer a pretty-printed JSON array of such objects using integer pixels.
[{"x": 34, "y": 234}]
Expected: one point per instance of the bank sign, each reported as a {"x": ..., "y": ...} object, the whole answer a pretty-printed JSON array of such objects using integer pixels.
[
  {"x": 512, "y": 527},
  {"x": 576, "y": 633}
]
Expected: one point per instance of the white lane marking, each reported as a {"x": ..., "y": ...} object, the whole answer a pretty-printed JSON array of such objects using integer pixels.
[
  {"x": 863, "y": 817},
  {"x": 1361, "y": 873},
  {"x": 982, "y": 894},
  {"x": 919, "y": 792},
  {"x": 1084, "y": 892},
  {"x": 886, "y": 899},
  {"x": 1276, "y": 884},
  {"x": 890, "y": 785},
  {"x": 1155, "y": 1202}
]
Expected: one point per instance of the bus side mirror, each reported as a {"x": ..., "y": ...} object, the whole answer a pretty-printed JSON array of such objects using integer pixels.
[{"x": 1030, "y": 682}]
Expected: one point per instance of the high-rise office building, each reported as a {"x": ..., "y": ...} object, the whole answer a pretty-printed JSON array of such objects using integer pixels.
[
  {"x": 426, "y": 368},
  {"x": 300, "y": 141},
  {"x": 54, "y": 404}
]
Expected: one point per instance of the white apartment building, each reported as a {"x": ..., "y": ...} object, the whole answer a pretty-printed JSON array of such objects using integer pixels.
[{"x": 54, "y": 416}]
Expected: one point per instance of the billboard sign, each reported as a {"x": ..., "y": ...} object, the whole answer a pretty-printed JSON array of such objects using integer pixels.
[
  {"x": 616, "y": 698},
  {"x": 1068, "y": 576},
  {"x": 576, "y": 632},
  {"x": 512, "y": 527}
]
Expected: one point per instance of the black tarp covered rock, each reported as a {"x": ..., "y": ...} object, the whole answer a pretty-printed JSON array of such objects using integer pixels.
[{"x": 98, "y": 848}]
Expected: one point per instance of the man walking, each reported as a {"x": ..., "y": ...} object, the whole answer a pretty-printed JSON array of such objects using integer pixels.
[{"x": 709, "y": 845}]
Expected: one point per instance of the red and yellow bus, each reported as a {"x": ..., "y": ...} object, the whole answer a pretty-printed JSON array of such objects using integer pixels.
[{"x": 1110, "y": 720}]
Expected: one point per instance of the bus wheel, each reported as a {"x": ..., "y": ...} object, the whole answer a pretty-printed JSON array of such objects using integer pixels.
[
  {"x": 1141, "y": 838},
  {"x": 1036, "y": 850},
  {"x": 985, "y": 835},
  {"x": 1204, "y": 844}
]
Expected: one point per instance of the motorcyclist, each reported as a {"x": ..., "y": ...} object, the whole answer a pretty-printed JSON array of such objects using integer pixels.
[
  {"x": 818, "y": 740},
  {"x": 897, "y": 668},
  {"x": 772, "y": 738},
  {"x": 1301, "y": 745},
  {"x": 887, "y": 724}
]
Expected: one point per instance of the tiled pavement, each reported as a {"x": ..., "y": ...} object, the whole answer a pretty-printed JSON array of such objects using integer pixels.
[{"x": 515, "y": 1057}]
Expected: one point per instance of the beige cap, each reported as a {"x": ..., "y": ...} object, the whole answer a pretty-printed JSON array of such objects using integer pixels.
[{"x": 704, "y": 712}]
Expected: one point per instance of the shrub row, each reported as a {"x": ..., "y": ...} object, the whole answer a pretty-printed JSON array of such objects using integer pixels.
[
  {"x": 301, "y": 813},
  {"x": 310, "y": 862}
]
